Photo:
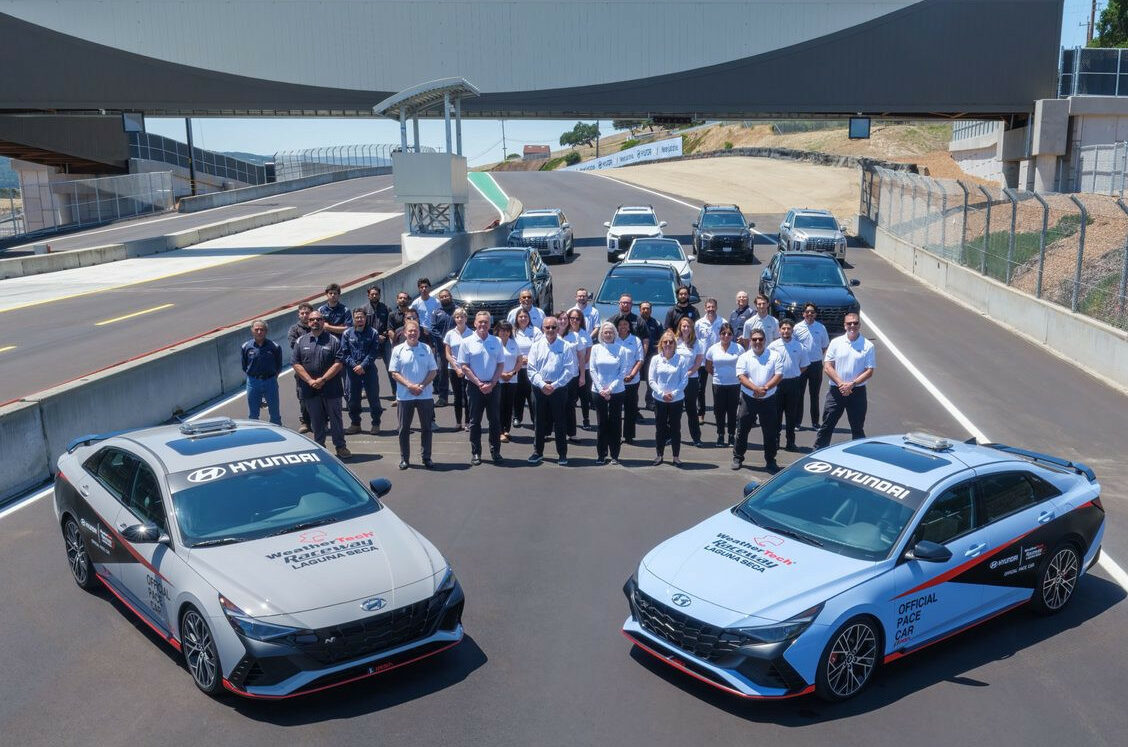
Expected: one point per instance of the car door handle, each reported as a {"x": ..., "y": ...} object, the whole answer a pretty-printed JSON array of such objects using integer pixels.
[
  {"x": 974, "y": 550},
  {"x": 84, "y": 490},
  {"x": 1046, "y": 516}
]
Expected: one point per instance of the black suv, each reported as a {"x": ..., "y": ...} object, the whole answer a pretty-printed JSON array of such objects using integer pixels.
[
  {"x": 493, "y": 278},
  {"x": 793, "y": 279},
  {"x": 720, "y": 231}
]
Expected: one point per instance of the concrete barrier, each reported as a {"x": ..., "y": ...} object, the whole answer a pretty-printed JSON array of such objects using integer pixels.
[
  {"x": 243, "y": 194},
  {"x": 40, "y": 263},
  {"x": 152, "y": 389},
  {"x": 1092, "y": 345}
]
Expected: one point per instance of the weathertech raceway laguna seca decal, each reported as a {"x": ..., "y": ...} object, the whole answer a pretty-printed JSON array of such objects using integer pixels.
[
  {"x": 911, "y": 497},
  {"x": 757, "y": 555},
  {"x": 318, "y": 547}
]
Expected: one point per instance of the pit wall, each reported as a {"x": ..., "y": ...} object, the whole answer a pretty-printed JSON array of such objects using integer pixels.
[
  {"x": 154, "y": 388},
  {"x": 1098, "y": 348}
]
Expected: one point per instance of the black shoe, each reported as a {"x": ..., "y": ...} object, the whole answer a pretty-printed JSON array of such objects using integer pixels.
[
  {"x": 442, "y": 402},
  {"x": 587, "y": 425},
  {"x": 428, "y": 464},
  {"x": 562, "y": 461},
  {"x": 698, "y": 444},
  {"x": 720, "y": 440},
  {"x": 495, "y": 456},
  {"x": 790, "y": 446},
  {"x": 535, "y": 458},
  {"x": 629, "y": 441},
  {"x": 771, "y": 466},
  {"x": 475, "y": 459},
  {"x": 737, "y": 463},
  {"x": 403, "y": 464},
  {"x": 573, "y": 440},
  {"x": 731, "y": 439},
  {"x": 658, "y": 460}
]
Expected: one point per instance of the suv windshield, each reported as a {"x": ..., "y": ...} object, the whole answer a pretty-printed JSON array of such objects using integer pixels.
[
  {"x": 495, "y": 267},
  {"x": 839, "y": 516},
  {"x": 656, "y": 250},
  {"x": 656, "y": 289},
  {"x": 823, "y": 222},
  {"x": 536, "y": 221},
  {"x": 806, "y": 272},
  {"x": 634, "y": 219},
  {"x": 268, "y": 501},
  {"x": 722, "y": 220}
]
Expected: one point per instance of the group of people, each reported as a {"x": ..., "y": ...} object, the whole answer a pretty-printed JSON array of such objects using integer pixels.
[{"x": 762, "y": 369}]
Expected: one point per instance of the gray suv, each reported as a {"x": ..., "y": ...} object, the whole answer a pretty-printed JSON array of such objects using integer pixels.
[
  {"x": 808, "y": 230},
  {"x": 547, "y": 231}
]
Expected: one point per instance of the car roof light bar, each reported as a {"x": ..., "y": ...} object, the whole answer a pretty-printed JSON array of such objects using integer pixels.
[
  {"x": 205, "y": 427},
  {"x": 928, "y": 441}
]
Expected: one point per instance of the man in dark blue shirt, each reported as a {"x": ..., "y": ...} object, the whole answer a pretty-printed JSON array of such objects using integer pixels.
[
  {"x": 360, "y": 347},
  {"x": 441, "y": 323},
  {"x": 317, "y": 364},
  {"x": 336, "y": 315},
  {"x": 262, "y": 360},
  {"x": 649, "y": 330}
]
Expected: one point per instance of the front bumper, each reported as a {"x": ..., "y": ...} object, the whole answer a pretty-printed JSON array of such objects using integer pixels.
[
  {"x": 725, "y": 248},
  {"x": 349, "y": 652},
  {"x": 757, "y": 671}
]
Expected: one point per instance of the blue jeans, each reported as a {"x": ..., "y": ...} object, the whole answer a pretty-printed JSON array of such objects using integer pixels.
[
  {"x": 370, "y": 382},
  {"x": 257, "y": 391}
]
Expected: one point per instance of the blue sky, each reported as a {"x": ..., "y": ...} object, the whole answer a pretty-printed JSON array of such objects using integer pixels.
[{"x": 481, "y": 139}]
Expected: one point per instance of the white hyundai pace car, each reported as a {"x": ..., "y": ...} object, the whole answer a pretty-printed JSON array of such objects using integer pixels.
[
  {"x": 255, "y": 553},
  {"x": 861, "y": 553}
]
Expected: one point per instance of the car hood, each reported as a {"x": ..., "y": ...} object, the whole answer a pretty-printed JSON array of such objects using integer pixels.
[
  {"x": 817, "y": 233},
  {"x": 828, "y": 296},
  {"x": 292, "y": 573},
  {"x": 734, "y": 564},
  {"x": 533, "y": 233},
  {"x": 725, "y": 231},
  {"x": 492, "y": 290},
  {"x": 634, "y": 231}
]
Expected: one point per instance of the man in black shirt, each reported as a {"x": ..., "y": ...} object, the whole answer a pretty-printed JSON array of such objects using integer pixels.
[
  {"x": 376, "y": 316},
  {"x": 442, "y": 321},
  {"x": 318, "y": 367},
  {"x": 296, "y": 331},
  {"x": 682, "y": 308},
  {"x": 395, "y": 323},
  {"x": 649, "y": 331}
]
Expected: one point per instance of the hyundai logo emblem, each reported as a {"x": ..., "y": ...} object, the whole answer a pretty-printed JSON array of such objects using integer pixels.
[
  {"x": 681, "y": 600},
  {"x": 818, "y": 467},
  {"x": 207, "y": 474},
  {"x": 375, "y": 603}
]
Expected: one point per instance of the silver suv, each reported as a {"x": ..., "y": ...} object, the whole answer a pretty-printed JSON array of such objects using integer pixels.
[
  {"x": 547, "y": 231},
  {"x": 805, "y": 229}
]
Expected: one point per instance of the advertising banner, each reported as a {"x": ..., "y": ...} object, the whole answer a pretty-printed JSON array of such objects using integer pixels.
[{"x": 670, "y": 148}]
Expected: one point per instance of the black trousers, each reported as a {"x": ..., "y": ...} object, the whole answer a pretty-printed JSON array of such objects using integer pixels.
[
  {"x": 854, "y": 406},
  {"x": 766, "y": 410},
  {"x": 726, "y": 401},
  {"x": 609, "y": 420},
  {"x": 524, "y": 396},
  {"x": 646, "y": 367},
  {"x": 667, "y": 424},
  {"x": 586, "y": 400},
  {"x": 789, "y": 403},
  {"x": 702, "y": 384},
  {"x": 508, "y": 396},
  {"x": 404, "y": 413},
  {"x": 303, "y": 411},
  {"x": 811, "y": 383},
  {"x": 550, "y": 409},
  {"x": 692, "y": 414},
  {"x": 458, "y": 389},
  {"x": 570, "y": 408},
  {"x": 630, "y": 410},
  {"x": 490, "y": 404},
  {"x": 325, "y": 410}
]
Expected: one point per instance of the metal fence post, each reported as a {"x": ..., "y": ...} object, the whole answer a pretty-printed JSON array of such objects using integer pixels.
[
  {"x": 1080, "y": 254},
  {"x": 963, "y": 224},
  {"x": 1042, "y": 242},
  {"x": 1010, "y": 242},
  {"x": 927, "y": 209},
  {"x": 986, "y": 233},
  {"x": 1123, "y": 289}
]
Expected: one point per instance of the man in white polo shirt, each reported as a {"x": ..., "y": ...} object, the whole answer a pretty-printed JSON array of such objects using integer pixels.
[
  {"x": 849, "y": 365},
  {"x": 759, "y": 371},
  {"x": 525, "y": 301},
  {"x": 795, "y": 362},
  {"x": 482, "y": 358},
  {"x": 413, "y": 368}
]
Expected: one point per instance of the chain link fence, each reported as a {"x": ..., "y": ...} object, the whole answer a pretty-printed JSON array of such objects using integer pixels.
[
  {"x": 1097, "y": 168},
  {"x": 49, "y": 206},
  {"x": 11, "y": 213},
  {"x": 1067, "y": 249},
  {"x": 295, "y": 164}
]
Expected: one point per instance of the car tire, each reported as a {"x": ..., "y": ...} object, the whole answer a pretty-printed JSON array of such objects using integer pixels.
[
  {"x": 571, "y": 250},
  {"x": 612, "y": 258},
  {"x": 1057, "y": 580},
  {"x": 82, "y": 570},
  {"x": 201, "y": 656},
  {"x": 849, "y": 660}
]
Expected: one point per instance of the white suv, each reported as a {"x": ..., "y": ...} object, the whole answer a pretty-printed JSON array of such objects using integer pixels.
[{"x": 628, "y": 224}]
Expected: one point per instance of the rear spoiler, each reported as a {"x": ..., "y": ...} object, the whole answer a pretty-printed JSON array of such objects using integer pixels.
[
  {"x": 1076, "y": 467},
  {"x": 93, "y": 438}
]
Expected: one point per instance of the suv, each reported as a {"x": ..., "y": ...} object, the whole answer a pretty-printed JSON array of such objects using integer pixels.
[
  {"x": 720, "y": 231},
  {"x": 793, "y": 279},
  {"x": 493, "y": 278},
  {"x": 813, "y": 231},
  {"x": 628, "y": 224},
  {"x": 547, "y": 231}
]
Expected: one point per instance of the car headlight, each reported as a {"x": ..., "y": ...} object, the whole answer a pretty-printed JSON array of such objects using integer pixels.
[
  {"x": 745, "y": 233},
  {"x": 707, "y": 236},
  {"x": 254, "y": 628},
  {"x": 448, "y": 581},
  {"x": 612, "y": 242},
  {"x": 783, "y": 631}
]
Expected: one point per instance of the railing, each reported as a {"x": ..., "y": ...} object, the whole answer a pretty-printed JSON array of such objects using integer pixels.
[
  {"x": 1097, "y": 168},
  {"x": 166, "y": 150},
  {"x": 295, "y": 164},
  {"x": 1067, "y": 249},
  {"x": 1093, "y": 72},
  {"x": 52, "y": 206},
  {"x": 11, "y": 213},
  {"x": 965, "y": 130}
]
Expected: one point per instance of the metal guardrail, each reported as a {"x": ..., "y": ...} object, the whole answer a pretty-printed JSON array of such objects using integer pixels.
[{"x": 297, "y": 164}]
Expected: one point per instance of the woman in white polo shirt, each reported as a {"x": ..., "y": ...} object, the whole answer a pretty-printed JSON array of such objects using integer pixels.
[
  {"x": 451, "y": 342},
  {"x": 609, "y": 367},
  {"x": 507, "y": 384},
  {"x": 524, "y": 334},
  {"x": 720, "y": 361},
  {"x": 667, "y": 378}
]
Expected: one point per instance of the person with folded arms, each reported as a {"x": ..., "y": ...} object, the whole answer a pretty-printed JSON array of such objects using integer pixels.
[
  {"x": 667, "y": 378},
  {"x": 609, "y": 368}
]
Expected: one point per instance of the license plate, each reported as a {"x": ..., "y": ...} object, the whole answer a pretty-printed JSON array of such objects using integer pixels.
[{"x": 727, "y": 249}]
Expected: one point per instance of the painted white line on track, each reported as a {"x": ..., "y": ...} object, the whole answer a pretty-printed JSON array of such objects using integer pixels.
[
  {"x": 342, "y": 202},
  {"x": 1114, "y": 570},
  {"x": 23, "y": 502}
]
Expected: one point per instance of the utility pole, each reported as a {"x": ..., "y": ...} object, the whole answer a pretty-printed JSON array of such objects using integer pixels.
[
  {"x": 1092, "y": 22},
  {"x": 504, "y": 153},
  {"x": 597, "y": 138}
]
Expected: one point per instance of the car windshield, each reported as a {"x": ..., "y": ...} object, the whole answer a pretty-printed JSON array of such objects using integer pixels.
[
  {"x": 495, "y": 267},
  {"x": 722, "y": 220},
  {"x": 841, "y": 517},
  {"x": 634, "y": 219},
  {"x": 269, "y": 500},
  {"x": 824, "y": 222},
  {"x": 656, "y": 250},
  {"x": 820, "y": 273},
  {"x": 653, "y": 288},
  {"x": 537, "y": 221}
]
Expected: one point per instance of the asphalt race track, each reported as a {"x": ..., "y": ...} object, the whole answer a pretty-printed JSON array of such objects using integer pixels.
[{"x": 543, "y": 553}]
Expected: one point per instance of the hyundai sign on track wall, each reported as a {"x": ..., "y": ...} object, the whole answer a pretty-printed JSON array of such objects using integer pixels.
[{"x": 671, "y": 148}]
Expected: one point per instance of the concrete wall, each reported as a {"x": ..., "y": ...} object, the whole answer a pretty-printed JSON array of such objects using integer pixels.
[
  {"x": 40, "y": 263},
  {"x": 1100, "y": 349},
  {"x": 150, "y": 390},
  {"x": 232, "y": 196}
]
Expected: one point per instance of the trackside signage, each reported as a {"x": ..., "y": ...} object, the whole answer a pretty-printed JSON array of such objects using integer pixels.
[{"x": 671, "y": 148}]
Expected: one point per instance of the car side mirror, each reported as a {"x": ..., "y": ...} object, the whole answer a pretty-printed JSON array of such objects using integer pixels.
[
  {"x": 750, "y": 486},
  {"x": 452, "y": 275},
  {"x": 929, "y": 552},
  {"x": 565, "y": 226},
  {"x": 690, "y": 257},
  {"x": 381, "y": 486},
  {"x": 694, "y": 224},
  {"x": 766, "y": 275},
  {"x": 661, "y": 224},
  {"x": 752, "y": 224},
  {"x": 621, "y": 255},
  {"x": 145, "y": 534},
  {"x": 855, "y": 282},
  {"x": 606, "y": 224}
]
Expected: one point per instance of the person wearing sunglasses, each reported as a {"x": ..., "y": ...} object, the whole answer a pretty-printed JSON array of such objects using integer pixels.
[
  {"x": 720, "y": 360},
  {"x": 759, "y": 371},
  {"x": 849, "y": 364},
  {"x": 552, "y": 365},
  {"x": 573, "y": 330},
  {"x": 811, "y": 332},
  {"x": 667, "y": 378}
]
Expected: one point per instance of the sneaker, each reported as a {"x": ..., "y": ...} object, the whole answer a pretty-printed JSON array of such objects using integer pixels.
[
  {"x": 601, "y": 460},
  {"x": 562, "y": 461},
  {"x": 475, "y": 459},
  {"x": 353, "y": 429},
  {"x": 731, "y": 439},
  {"x": 395, "y": 403},
  {"x": 587, "y": 425},
  {"x": 516, "y": 422},
  {"x": 428, "y": 464},
  {"x": 790, "y": 446},
  {"x": 676, "y": 462},
  {"x": 698, "y": 444},
  {"x": 613, "y": 460},
  {"x": 495, "y": 456},
  {"x": 343, "y": 453},
  {"x": 720, "y": 440},
  {"x": 535, "y": 458},
  {"x": 375, "y": 429},
  {"x": 403, "y": 464},
  {"x": 737, "y": 463},
  {"x": 303, "y": 428},
  {"x": 442, "y": 402}
]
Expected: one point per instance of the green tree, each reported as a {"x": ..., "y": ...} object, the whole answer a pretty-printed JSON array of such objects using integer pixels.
[
  {"x": 581, "y": 134},
  {"x": 628, "y": 124},
  {"x": 1112, "y": 26}
]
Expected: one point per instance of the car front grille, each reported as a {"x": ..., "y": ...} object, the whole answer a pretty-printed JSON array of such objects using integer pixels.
[
  {"x": 687, "y": 634},
  {"x": 720, "y": 242},
  {"x": 832, "y": 317},
  {"x": 536, "y": 242},
  {"x": 497, "y": 309},
  {"x": 821, "y": 245},
  {"x": 371, "y": 635},
  {"x": 625, "y": 242}
]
